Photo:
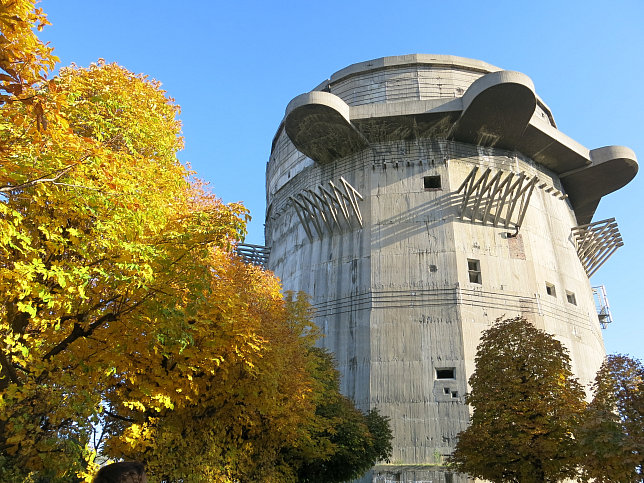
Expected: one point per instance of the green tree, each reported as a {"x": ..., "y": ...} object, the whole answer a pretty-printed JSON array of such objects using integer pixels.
[
  {"x": 611, "y": 437},
  {"x": 526, "y": 404},
  {"x": 347, "y": 441}
]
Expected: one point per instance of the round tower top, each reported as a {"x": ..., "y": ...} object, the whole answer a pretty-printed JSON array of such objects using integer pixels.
[
  {"x": 446, "y": 97},
  {"x": 405, "y": 78},
  {"x": 427, "y": 60}
]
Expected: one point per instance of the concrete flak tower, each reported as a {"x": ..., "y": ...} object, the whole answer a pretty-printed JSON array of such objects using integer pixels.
[{"x": 417, "y": 199}]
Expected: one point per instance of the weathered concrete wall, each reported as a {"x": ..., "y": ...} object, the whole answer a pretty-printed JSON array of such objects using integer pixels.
[
  {"x": 394, "y": 299},
  {"x": 414, "y": 319},
  {"x": 515, "y": 271},
  {"x": 390, "y": 279}
]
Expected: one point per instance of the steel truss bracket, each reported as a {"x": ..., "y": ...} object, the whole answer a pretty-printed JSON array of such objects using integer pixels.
[
  {"x": 253, "y": 254},
  {"x": 321, "y": 210},
  {"x": 502, "y": 198},
  {"x": 596, "y": 242}
]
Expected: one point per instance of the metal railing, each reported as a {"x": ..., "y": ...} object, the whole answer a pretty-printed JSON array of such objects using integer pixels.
[
  {"x": 602, "y": 306},
  {"x": 254, "y": 254}
]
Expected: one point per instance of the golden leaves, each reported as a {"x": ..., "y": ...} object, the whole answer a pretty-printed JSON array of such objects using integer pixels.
[
  {"x": 24, "y": 58},
  {"x": 122, "y": 301},
  {"x": 121, "y": 304},
  {"x": 104, "y": 244}
]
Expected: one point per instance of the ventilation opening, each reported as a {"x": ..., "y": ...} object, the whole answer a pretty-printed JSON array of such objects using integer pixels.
[
  {"x": 432, "y": 183},
  {"x": 550, "y": 289},
  {"x": 570, "y": 297},
  {"x": 474, "y": 270},
  {"x": 446, "y": 373}
]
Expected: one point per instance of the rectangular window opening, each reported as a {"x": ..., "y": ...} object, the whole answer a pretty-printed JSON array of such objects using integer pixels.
[
  {"x": 446, "y": 373},
  {"x": 432, "y": 183},
  {"x": 550, "y": 289},
  {"x": 570, "y": 297},
  {"x": 447, "y": 390},
  {"x": 454, "y": 393},
  {"x": 474, "y": 270}
]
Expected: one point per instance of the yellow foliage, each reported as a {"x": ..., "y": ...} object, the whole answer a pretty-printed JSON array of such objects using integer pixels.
[
  {"x": 122, "y": 305},
  {"x": 117, "y": 280}
]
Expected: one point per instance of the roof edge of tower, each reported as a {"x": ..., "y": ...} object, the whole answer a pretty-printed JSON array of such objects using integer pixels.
[
  {"x": 435, "y": 60},
  {"x": 412, "y": 59}
]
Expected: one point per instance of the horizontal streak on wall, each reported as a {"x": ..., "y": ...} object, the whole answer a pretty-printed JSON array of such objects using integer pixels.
[
  {"x": 378, "y": 156},
  {"x": 514, "y": 303}
]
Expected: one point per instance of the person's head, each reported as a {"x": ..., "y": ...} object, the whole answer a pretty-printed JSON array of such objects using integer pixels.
[{"x": 123, "y": 472}]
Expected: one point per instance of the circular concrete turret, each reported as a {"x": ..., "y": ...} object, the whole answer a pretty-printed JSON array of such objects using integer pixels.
[{"x": 417, "y": 199}]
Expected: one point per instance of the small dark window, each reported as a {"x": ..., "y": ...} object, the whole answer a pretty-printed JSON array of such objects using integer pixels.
[
  {"x": 570, "y": 297},
  {"x": 550, "y": 289},
  {"x": 474, "y": 270},
  {"x": 454, "y": 393},
  {"x": 447, "y": 390},
  {"x": 432, "y": 183},
  {"x": 446, "y": 373}
]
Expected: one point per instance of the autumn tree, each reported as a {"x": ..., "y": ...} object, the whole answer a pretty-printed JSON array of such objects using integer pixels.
[
  {"x": 25, "y": 62},
  {"x": 611, "y": 437},
  {"x": 93, "y": 230},
  {"x": 122, "y": 303},
  {"x": 525, "y": 405},
  {"x": 229, "y": 419},
  {"x": 124, "y": 307}
]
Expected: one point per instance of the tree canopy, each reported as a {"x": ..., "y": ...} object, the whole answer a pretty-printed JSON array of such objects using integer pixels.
[
  {"x": 526, "y": 404},
  {"x": 24, "y": 60},
  {"x": 103, "y": 237},
  {"x": 611, "y": 436},
  {"x": 124, "y": 312},
  {"x": 25, "y": 63},
  {"x": 356, "y": 440}
]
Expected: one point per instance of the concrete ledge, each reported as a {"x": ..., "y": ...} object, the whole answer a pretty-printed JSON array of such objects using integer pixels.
[
  {"x": 494, "y": 79},
  {"x": 321, "y": 99},
  {"x": 611, "y": 153},
  {"x": 611, "y": 168},
  {"x": 499, "y": 109},
  {"x": 318, "y": 125},
  {"x": 496, "y": 110}
]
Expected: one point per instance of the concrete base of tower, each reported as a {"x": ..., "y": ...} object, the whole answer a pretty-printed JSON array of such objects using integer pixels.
[{"x": 392, "y": 473}]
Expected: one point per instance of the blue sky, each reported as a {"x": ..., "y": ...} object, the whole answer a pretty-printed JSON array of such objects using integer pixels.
[{"x": 234, "y": 66}]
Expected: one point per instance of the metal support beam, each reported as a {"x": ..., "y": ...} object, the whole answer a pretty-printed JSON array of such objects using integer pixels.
[
  {"x": 596, "y": 242},
  {"x": 495, "y": 198},
  {"x": 253, "y": 254},
  {"x": 318, "y": 208}
]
